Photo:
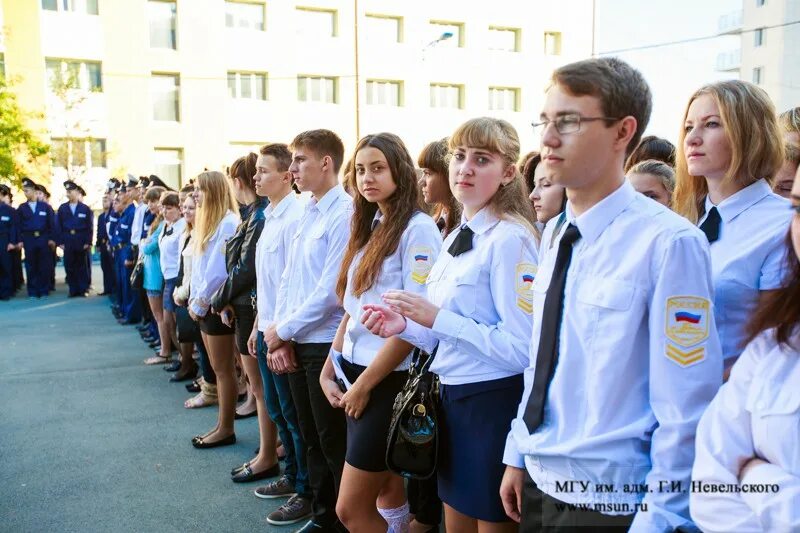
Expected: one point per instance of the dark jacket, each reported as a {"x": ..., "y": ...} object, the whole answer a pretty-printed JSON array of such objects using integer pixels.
[{"x": 240, "y": 259}]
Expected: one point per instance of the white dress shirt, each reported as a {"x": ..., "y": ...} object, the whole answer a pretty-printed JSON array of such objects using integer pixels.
[
  {"x": 272, "y": 248},
  {"x": 639, "y": 360},
  {"x": 755, "y": 414},
  {"x": 484, "y": 322},
  {"x": 307, "y": 307},
  {"x": 138, "y": 224},
  {"x": 747, "y": 258},
  {"x": 407, "y": 269},
  {"x": 208, "y": 267},
  {"x": 169, "y": 248}
]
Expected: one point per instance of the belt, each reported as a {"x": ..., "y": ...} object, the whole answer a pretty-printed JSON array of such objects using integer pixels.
[
  {"x": 121, "y": 246},
  {"x": 72, "y": 232},
  {"x": 34, "y": 233}
]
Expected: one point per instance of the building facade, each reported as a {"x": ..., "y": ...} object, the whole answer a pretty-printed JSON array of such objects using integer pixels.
[
  {"x": 769, "y": 50},
  {"x": 173, "y": 87}
]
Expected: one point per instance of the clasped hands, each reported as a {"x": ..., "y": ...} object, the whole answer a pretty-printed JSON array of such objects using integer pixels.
[{"x": 390, "y": 319}]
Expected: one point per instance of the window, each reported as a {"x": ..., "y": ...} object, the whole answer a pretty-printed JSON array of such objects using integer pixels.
[
  {"x": 758, "y": 37},
  {"x": 440, "y": 29},
  {"x": 71, "y": 153},
  {"x": 317, "y": 89},
  {"x": 79, "y": 6},
  {"x": 317, "y": 22},
  {"x": 385, "y": 92},
  {"x": 446, "y": 95},
  {"x": 552, "y": 43},
  {"x": 251, "y": 85},
  {"x": 74, "y": 74},
  {"x": 162, "y": 24},
  {"x": 245, "y": 15},
  {"x": 383, "y": 29},
  {"x": 504, "y": 99},
  {"x": 760, "y": 3},
  {"x": 758, "y": 75},
  {"x": 165, "y": 92},
  {"x": 168, "y": 163},
  {"x": 504, "y": 39}
]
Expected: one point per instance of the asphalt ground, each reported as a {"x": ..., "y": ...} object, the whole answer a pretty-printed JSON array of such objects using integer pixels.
[{"x": 91, "y": 439}]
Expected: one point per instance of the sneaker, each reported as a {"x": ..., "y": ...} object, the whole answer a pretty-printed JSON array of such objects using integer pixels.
[
  {"x": 295, "y": 510},
  {"x": 276, "y": 489}
]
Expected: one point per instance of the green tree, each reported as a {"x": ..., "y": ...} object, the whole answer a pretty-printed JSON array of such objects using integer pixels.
[{"x": 20, "y": 147}]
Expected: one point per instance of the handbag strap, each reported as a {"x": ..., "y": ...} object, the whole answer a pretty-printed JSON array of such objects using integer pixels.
[{"x": 420, "y": 367}]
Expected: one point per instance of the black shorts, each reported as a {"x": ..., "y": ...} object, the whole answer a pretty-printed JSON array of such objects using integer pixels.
[
  {"x": 211, "y": 324},
  {"x": 245, "y": 318},
  {"x": 366, "y": 437}
]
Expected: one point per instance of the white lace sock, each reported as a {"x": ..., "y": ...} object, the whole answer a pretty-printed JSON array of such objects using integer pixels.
[{"x": 397, "y": 518}]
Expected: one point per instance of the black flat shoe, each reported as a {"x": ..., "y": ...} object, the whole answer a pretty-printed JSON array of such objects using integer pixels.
[
  {"x": 199, "y": 442},
  {"x": 193, "y": 387},
  {"x": 237, "y": 416},
  {"x": 246, "y": 474},
  {"x": 174, "y": 367},
  {"x": 153, "y": 344},
  {"x": 183, "y": 376}
]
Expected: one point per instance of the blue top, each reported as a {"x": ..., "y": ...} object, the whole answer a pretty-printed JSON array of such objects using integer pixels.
[
  {"x": 75, "y": 228},
  {"x": 102, "y": 234},
  {"x": 153, "y": 278},
  {"x": 124, "y": 227},
  {"x": 8, "y": 225},
  {"x": 41, "y": 219}
]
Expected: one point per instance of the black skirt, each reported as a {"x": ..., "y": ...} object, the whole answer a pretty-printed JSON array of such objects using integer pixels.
[
  {"x": 366, "y": 437},
  {"x": 211, "y": 324}
]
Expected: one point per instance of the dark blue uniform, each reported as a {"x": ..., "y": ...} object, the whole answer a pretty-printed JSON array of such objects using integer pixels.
[
  {"x": 36, "y": 227},
  {"x": 74, "y": 233},
  {"x": 8, "y": 235},
  {"x": 121, "y": 242},
  {"x": 103, "y": 248}
]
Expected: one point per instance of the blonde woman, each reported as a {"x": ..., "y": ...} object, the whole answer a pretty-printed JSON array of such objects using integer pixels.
[
  {"x": 654, "y": 179},
  {"x": 478, "y": 311},
  {"x": 728, "y": 148},
  {"x": 216, "y": 223}
]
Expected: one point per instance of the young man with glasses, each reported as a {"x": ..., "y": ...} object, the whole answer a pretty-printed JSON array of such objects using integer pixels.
[{"x": 624, "y": 355}]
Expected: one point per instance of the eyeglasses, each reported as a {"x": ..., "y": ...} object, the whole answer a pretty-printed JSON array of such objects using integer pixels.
[{"x": 568, "y": 123}]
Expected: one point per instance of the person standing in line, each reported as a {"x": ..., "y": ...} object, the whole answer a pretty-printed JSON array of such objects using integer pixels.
[
  {"x": 153, "y": 279},
  {"x": 17, "y": 278},
  {"x": 217, "y": 220},
  {"x": 234, "y": 302},
  {"x": 75, "y": 229},
  {"x": 654, "y": 179},
  {"x": 38, "y": 233},
  {"x": 111, "y": 226},
  {"x": 274, "y": 181},
  {"x": 478, "y": 311},
  {"x": 8, "y": 243},
  {"x": 43, "y": 196},
  {"x": 748, "y": 435},
  {"x": 624, "y": 356},
  {"x": 308, "y": 313},
  {"x": 436, "y": 188},
  {"x": 729, "y": 145},
  {"x": 102, "y": 246},
  {"x": 393, "y": 245},
  {"x": 130, "y": 311}
]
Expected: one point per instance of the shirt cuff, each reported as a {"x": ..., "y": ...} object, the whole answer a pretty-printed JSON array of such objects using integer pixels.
[
  {"x": 284, "y": 331},
  {"x": 448, "y": 326},
  {"x": 511, "y": 455},
  {"x": 197, "y": 309}
]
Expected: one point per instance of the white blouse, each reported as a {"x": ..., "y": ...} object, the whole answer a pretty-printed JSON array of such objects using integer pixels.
[
  {"x": 169, "y": 248},
  {"x": 208, "y": 269},
  {"x": 755, "y": 414}
]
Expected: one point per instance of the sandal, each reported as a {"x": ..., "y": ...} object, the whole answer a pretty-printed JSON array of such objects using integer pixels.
[
  {"x": 158, "y": 360},
  {"x": 201, "y": 400}
]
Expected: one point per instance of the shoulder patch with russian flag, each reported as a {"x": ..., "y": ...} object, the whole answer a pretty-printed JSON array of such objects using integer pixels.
[
  {"x": 686, "y": 325},
  {"x": 421, "y": 263},
  {"x": 524, "y": 276}
]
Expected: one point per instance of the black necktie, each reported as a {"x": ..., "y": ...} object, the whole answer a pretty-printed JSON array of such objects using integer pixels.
[
  {"x": 551, "y": 326},
  {"x": 710, "y": 225},
  {"x": 462, "y": 242},
  {"x": 375, "y": 223}
]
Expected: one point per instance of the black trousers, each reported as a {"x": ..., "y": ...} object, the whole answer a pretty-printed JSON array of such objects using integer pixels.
[
  {"x": 543, "y": 513},
  {"x": 323, "y": 429}
]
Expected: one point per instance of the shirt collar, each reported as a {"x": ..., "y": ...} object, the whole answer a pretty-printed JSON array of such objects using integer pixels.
[
  {"x": 735, "y": 204},
  {"x": 483, "y": 221},
  {"x": 594, "y": 221},
  {"x": 330, "y": 197},
  {"x": 277, "y": 210}
]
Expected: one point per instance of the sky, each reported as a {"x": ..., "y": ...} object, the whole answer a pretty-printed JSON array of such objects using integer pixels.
[{"x": 673, "y": 72}]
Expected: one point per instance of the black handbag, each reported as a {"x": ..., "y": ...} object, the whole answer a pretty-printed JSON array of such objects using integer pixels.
[
  {"x": 188, "y": 330},
  {"x": 412, "y": 445},
  {"x": 137, "y": 275}
]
